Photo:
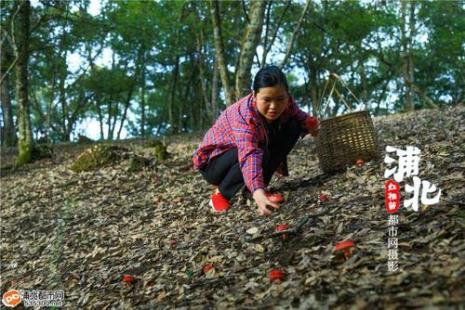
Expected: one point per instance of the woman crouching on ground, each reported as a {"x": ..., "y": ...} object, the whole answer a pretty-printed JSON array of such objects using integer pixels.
[{"x": 251, "y": 140}]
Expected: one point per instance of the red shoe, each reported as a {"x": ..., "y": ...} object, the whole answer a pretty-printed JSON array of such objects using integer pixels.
[
  {"x": 219, "y": 203},
  {"x": 274, "y": 197}
]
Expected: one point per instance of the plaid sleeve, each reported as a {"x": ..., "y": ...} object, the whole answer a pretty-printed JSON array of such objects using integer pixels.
[
  {"x": 249, "y": 154},
  {"x": 298, "y": 114}
]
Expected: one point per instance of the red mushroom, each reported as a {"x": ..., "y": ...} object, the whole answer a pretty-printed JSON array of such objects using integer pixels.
[
  {"x": 276, "y": 275},
  {"x": 360, "y": 162},
  {"x": 283, "y": 227},
  {"x": 323, "y": 197},
  {"x": 311, "y": 123},
  {"x": 344, "y": 247},
  {"x": 128, "y": 278},
  {"x": 275, "y": 197},
  {"x": 207, "y": 267}
]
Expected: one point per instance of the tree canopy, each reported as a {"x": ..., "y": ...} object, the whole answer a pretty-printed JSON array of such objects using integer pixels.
[{"x": 150, "y": 68}]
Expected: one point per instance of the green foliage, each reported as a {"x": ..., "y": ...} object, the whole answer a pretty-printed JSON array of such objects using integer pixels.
[{"x": 145, "y": 57}]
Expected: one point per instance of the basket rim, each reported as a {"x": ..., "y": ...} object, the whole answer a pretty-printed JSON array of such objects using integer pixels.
[{"x": 351, "y": 113}]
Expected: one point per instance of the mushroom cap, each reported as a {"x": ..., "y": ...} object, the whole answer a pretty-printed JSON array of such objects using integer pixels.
[
  {"x": 276, "y": 275},
  {"x": 207, "y": 267},
  {"x": 343, "y": 245},
  {"x": 275, "y": 197},
  {"x": 282, "y": 227},
  {"x": 311, "y": 122},
  {"x": 128, "y": 278}
]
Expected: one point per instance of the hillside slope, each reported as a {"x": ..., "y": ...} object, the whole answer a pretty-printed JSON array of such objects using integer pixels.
[{"x": 82, "y": 232}]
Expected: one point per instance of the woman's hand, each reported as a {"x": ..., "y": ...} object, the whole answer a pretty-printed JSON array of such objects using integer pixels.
[{"x": 262, "y": 202}]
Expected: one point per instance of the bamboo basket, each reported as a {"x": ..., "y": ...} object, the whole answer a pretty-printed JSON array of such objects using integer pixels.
[{"x": 345, "y": 139}]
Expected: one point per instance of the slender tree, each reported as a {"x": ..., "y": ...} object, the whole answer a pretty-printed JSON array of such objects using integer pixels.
[
  {"x": 22, "y": 34},
  {"x": 8, "y": 131},
  {"x": 220, "y": 53},
  {"x": 248, "y": 47}
]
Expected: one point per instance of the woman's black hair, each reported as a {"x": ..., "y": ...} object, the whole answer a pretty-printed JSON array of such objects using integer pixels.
[{"x": 268, "y": 77}]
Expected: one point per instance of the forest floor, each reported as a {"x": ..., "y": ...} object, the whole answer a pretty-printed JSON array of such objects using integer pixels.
[{"x": 80, "y": 232}]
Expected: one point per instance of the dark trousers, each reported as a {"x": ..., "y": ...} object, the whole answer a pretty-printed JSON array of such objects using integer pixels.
[{"x": 224, "y": 171}]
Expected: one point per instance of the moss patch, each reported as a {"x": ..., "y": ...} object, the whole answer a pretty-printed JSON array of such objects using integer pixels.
[
  {"x": 157, "y": 149},
  {"x": 96, "y": 157}
]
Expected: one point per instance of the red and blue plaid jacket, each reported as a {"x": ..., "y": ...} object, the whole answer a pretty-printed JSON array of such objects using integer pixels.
[{"x": 241, "y": 126}]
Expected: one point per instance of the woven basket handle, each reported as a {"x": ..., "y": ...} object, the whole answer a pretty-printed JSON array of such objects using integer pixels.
[{"x": 333, "y": 89}]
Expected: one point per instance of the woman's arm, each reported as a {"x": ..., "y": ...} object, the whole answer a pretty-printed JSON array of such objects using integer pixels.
[
  {"x": 296, "y": 112},
  {"x": 250, "y": 157},
  {"x": 309, "y": 124}
]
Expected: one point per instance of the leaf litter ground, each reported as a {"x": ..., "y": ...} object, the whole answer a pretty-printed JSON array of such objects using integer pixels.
[{"x": 81, "y": 232}]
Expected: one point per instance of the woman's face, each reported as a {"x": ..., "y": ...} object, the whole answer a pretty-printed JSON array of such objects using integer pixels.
[{"x": 271, "y": 101}]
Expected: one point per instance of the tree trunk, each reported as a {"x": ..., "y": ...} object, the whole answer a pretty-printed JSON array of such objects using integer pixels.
[
  {"x": 249, "y": 46},
  {"x": 214, "y": 100},
  {"x": 189, "y": 98},
  {"x": 363, "y": 81},
  {"x": 267, "y": 46},
  {"x": 410, "y": 65},
  {"x": 381, "y": 96},
  {"x": 172, "y": 122},
  {"x": 126, "y": 107},
  {"x": 81, "y": 105},
  {"x": 219, "y": 52},
  {"x": 109, "y": 137},
  {"x": 203, "y": 77},
  {"x": 36, "y": 109},
  {"x": 314, "y": 89},
  {"x": 115, "y": 118},
  {"x": 112, "y": 117},
  {"x": 64, "y": 111},
  {"x": 294, "y": 34},
  {"x": 407, "y": 32},
  {"x": 100, "y": 117},
  {"x": 64, "y": 76},
  {"x": 429, "y": 102},
  {"x": 9, "y": 132},
  {"x": 25, "y": 142},
  {"x": 265, "y": 38},
  {"x": 142, "y": 102},
  {"x": 180, "y": 125},
  {"x": 110, "y": 103},
  {"x": 189, "y": 123}
]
